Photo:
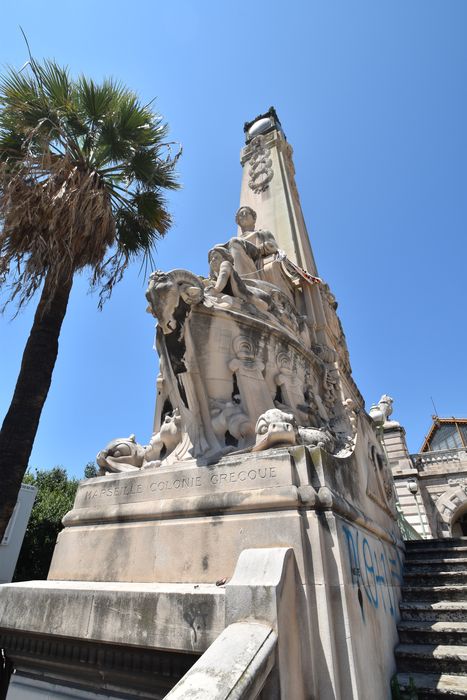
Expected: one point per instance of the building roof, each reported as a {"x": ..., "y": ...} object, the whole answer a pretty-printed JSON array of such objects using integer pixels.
[{"x": 459, "y": 430}]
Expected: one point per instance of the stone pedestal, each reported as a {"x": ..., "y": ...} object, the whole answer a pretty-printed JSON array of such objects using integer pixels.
[{"x": 102, "y": 621}]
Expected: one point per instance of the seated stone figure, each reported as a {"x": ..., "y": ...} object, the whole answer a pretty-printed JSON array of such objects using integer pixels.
[
  {"x": 264, "y": 241},
  {"x": 249, "y": 249},
  {"x": 264, "y": 265},
  {"x": 239, "y": 269},
  {"x": 263, "y": 295},
  {"x": 227, "y": 280}
]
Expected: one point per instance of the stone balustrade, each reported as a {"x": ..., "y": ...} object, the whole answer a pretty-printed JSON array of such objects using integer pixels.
[{"x": 426, "y": 459}]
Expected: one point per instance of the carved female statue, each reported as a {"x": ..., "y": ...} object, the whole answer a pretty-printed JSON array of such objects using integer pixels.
[
  {"x": 227, "y": 280},
  {"x": 246, "y": 219},
  {"x": 264, "y": 241}
]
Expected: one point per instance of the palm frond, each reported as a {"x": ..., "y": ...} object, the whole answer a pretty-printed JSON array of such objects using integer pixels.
[
  {"x": 94, "y": 101},
  {"x": 55, "y": 85},
  {"x": 83, "y": 167},
  {"x": 146, "y": 167}
]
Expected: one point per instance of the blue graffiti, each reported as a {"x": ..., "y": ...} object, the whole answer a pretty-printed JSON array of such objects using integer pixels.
[{"x": 373, "y": 570}]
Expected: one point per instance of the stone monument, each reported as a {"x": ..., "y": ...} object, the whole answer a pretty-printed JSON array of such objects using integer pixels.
[{"x": 250, "y": 548}]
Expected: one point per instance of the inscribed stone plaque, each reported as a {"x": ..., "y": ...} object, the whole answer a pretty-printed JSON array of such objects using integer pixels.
[{"x": 249, "y": 473}]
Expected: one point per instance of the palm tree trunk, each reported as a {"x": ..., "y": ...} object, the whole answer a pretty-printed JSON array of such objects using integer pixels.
[{"x": 22, "y": 420}]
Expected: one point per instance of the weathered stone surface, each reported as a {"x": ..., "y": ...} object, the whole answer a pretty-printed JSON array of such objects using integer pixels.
[
  {"x": 235, "y": 666},
  {"x": 266, "y": 586},
  {"x": 245, "y": 472},
  {"x": 191, "y": 524},
  {"x": 180, "y": 617},
  {"x": 434, "y": 686},
  {"x": 201, "y": 549},
  {"x": 260, "y": 334}
]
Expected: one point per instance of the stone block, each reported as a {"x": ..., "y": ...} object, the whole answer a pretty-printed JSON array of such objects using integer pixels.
[
  {"x": 236, "y": 666},
  {"x": 179, "y": 617}
]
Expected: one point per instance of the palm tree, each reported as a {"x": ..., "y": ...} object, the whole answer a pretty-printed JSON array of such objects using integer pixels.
[{"x": 83, "y": 168}]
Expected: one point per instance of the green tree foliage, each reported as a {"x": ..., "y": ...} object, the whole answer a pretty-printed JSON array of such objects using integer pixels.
[
  {"x": 90, "y": 470},
  {"x": 55, "y": 497}
]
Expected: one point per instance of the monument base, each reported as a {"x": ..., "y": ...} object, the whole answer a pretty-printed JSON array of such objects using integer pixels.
[{"x": 132, "y": 601}]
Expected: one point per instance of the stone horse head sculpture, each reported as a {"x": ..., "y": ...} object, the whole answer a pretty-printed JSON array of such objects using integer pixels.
[{"x": 166, "y": 290}]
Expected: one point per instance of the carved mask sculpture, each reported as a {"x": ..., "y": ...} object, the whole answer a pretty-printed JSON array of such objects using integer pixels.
[{"x": 275, "y": 427}]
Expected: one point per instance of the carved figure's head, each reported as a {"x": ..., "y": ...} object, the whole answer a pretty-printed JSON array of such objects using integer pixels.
[
  {"x": 246, "y": 219},
  {"x": 216, "y": 257},
  {"x": 275, "y": 427}
]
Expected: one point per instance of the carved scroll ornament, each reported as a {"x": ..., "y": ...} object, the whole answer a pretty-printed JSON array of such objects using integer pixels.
[{"x": 261, "y": 172}]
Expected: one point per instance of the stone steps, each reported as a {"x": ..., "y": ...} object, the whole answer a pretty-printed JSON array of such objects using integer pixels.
[
  {"x": 446, "y": 543},
  {"x": 432, "y": 632},
  {"x": 431, "y": 686},
  {"x": 433, "y": 625},
  {"x": 441, "y": 564},
  {"x": 444, "y": 611},
  {"x": 434, "y": 578},
  {"x": 437, "y": 553},
  {"x": 419, "y": 593},
  {"x": 438, "y": 658}
]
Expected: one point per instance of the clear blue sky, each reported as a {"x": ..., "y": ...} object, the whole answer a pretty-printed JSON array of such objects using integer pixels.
[{"x": 373, "y": 98}]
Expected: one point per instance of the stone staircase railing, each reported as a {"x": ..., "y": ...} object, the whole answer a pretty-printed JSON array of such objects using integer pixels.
[
  {"x": 407, "y": 531},
  {"x": 235, "y": 666}
]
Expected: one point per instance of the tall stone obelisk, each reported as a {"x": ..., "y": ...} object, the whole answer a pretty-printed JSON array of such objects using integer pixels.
[{"x": 268, "y": 187}]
